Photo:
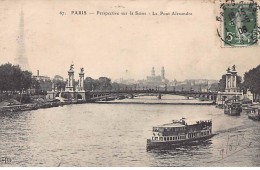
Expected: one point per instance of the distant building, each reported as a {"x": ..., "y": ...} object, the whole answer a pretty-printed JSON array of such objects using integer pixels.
[
  {"x": 154, "y": 80},
  {"x": 126, "y": 78},
  {"x": 126, "y": 81},
  {"x": 38, "y": 77},
  {"x": 151, "y": 82},
  {"x": 200, "y": 81},
  {"x": 45, "y": 82}
]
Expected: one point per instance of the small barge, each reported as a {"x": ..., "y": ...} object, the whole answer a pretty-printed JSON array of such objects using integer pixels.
[
  {"x": 233, "y": 109},
  {"x": 179, "y": 133},
  {"x": 254, "y": 113}
]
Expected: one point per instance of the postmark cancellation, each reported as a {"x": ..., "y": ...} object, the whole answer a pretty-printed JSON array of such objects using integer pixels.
[{"x": 238, "y": 23}]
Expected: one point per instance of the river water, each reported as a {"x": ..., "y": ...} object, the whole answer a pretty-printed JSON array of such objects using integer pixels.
[{"x": 115, "y": 135}]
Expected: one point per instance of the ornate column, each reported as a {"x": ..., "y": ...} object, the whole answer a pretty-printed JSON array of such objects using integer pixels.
[
  {"x": 234, "y": 78},
  {"x": 228, "y": 80},
  {"x": 70, "y": 84},
  {"x": 81, "y": 79}
]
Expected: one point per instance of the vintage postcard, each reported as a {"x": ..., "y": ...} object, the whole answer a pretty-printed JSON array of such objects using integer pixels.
[{"x": 108, "y": 83}]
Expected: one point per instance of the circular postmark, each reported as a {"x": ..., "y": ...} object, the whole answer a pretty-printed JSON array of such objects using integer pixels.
[{"x": 238, "y": 23}]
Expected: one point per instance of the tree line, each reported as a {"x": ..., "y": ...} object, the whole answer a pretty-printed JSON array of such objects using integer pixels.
[
  {"x": 13, "y": 79},
  {"x": 102, "y": 83},
  {"x": 252, "y": 81}
]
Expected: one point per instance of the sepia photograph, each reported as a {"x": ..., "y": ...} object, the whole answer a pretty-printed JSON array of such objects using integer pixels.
[{"x": 108, "y": 83}]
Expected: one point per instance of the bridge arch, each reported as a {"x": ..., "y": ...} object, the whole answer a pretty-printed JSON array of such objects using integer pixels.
[{"x": 79, "y": 96}]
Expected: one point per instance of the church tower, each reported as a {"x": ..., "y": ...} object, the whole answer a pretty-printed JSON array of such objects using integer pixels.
[
  {"x": 21, "y": 58},
  {"x": 153, "y": 72},
  {"x": 163, "y": 73}
]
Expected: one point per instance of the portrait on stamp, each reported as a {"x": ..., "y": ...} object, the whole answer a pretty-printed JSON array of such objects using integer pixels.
[{"x": 240, "y": 24}]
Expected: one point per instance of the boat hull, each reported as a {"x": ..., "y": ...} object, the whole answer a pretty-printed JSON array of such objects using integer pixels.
[
  {"x": 232, "y": 112},
  {"x": 153, "y": 145},
  {"x": 254, "y": 117}
]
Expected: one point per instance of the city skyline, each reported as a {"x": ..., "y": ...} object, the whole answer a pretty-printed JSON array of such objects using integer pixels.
[{"x": 53, "y": 42}]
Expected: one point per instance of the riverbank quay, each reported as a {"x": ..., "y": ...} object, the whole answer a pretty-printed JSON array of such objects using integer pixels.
[
  {"x": 153, "y": 103},
  {"x": 35, "y": 106},
  {"x": 43, "y": 104}
]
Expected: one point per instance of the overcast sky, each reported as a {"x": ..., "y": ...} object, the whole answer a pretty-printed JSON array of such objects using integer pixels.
[{"x": 187, "y": 46}]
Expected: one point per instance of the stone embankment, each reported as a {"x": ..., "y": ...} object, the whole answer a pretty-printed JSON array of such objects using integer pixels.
[{"x": 35, "y": 106}]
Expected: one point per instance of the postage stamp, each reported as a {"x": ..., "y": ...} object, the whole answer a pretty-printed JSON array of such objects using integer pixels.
[{"x": 239, "y": 24}]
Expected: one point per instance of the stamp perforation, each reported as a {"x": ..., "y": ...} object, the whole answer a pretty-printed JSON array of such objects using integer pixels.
[{"x": 221, "y": 29}]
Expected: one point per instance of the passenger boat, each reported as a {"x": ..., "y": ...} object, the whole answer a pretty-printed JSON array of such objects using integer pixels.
[
  {"x": 179, "y": 133},
  {"x": 233, "y": 109},
  {"x": 254, "y": 113}
]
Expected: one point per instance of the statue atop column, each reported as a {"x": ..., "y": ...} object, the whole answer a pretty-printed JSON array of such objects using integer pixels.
[
  {"x": 234, "y": 68},
  {"x": 71, "y": 67},
  {"x": 70, "y": 83},
  {"x": 82, "y": 70},
  {"x": 228, "y": 69},
  {"x": 81, "y": 79}
]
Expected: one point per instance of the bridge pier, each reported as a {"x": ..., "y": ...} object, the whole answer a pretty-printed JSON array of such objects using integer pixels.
[{"x": 159, "y": 96}]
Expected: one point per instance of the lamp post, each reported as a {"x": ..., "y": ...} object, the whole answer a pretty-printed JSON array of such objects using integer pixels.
[{"x": 21, "y": 95}]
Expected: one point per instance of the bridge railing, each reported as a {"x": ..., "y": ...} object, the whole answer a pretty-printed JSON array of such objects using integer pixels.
[{"x": 153, "y": 91}]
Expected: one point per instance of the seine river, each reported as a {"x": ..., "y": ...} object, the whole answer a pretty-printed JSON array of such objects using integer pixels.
[{"x": 115, "y": 135}]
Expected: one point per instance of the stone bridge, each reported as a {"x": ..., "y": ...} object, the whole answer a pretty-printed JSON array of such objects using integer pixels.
[{"x": 113, "y": 94}]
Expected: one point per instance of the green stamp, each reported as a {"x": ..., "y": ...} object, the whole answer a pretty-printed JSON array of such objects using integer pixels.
[{"x": 240, "y": 27}]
